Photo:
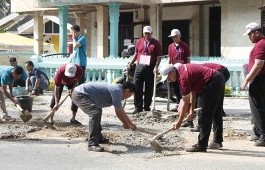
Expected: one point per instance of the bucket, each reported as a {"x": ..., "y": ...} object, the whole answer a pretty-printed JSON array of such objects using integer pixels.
[
  {"x": 25, "y": 102},
  {"x": 17, "y": 91}
]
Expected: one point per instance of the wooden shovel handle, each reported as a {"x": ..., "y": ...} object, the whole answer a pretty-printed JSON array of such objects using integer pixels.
[
  {"x": 59, "y": 105},
  {"x": 145, "y": 131}
]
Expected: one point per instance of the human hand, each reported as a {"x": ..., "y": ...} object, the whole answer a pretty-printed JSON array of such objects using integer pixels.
[
  {"x": 244, "y": 85},
  {"x": 176, "y": 125},
  {"x": 191, "y": 116},
  {"x": 55, "y": 107}
]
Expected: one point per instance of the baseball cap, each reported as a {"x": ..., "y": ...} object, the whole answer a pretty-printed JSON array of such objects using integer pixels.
[
  {"x": 251, "y": 27},
  {"x": 165, "y": 70},
  {"x": 174, "y": 32},
  {"x": 70, "y": 70},
  {"x": 147, "y": 29}
]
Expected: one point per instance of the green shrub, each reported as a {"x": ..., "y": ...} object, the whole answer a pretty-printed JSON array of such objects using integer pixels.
[
  {"x": 228, "y": 91},
  {"x": 51, "y": 86}
]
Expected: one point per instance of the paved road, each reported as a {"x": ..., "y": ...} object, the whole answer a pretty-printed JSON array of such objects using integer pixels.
[{"x": 61, "y": 153}]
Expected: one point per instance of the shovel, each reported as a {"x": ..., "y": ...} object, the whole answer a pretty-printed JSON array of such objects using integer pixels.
[
  {"x": 154, "y": 144},
  {"x": 25, "y": 114},
  {"x": 49, "y": 124}
]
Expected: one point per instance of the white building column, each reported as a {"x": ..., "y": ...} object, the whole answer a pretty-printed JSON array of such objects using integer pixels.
[
  {"x": 156, "y": 21},
  {"x": 102, "y": 26},
  {"x": 89, "y": 25},
  {"x": 38, "y": 32}
]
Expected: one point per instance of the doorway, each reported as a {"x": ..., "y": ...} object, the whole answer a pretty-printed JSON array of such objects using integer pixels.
[{"x": 215, "y": 31}]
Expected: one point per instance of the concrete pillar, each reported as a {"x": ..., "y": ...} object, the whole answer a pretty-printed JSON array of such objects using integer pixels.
[
  {"x": 63, "y": 19},
  {"x": 89, "y": 27},
  {"x": 114, "y": 14},
  {"x": 102, "y": 31},
  {"x": 38, "y": 32},
  {"x": 81, "y": 22},
  {"x": 156, "y": 21}
]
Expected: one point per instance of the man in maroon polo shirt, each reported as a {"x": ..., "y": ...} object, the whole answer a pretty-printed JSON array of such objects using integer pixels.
[
  {"x": 67, "y": 75},
  {"x": 148, "y": 53},
  {"x": 256, "y": 80},
  {"x": 193, "y": 78},
  {"x": 224, "y": 71},
  {"x": 178, "y": 52}
]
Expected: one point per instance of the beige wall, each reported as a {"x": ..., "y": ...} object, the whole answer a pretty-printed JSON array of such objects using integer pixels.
[{"x": 235, "y": 16}]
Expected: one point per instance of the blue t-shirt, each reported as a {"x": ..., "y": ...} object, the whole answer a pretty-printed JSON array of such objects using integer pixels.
[
  {"x": 80, "y": 53},
  {"x": 103, "y": 94},
  {"x": 6, "y": 75}
]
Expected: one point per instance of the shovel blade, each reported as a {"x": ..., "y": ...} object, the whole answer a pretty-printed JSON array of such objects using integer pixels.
[{"x": 25, "y": 116}]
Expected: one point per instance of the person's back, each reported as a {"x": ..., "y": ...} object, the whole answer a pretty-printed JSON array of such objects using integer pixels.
[{"x": 103, "y": 94}]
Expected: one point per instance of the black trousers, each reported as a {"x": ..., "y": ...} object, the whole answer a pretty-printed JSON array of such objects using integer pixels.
[
  {"x": 88, "y": 106},
  {"x": 211, "y": 111},
  {"x": 74, "y": 108},
  {"x": 257, "y": 104},
  {"x": 83, "y": 78},
  {"x": 176, "y": 89},
  {"x": 143, "y": 77}
]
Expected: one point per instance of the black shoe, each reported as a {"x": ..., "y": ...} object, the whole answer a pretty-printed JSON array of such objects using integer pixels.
[
  {"x": 103, "y": 141},
  {"x": 260, "y": 143},
  {"x": 96, "y": 148},
  {"x": 196, "y": 129},
  {"x": 75, "y": 122},
  {"x": 137, "y": 110},
  {"x": 196, "y": 148},
  {"x": 188, "y": 124},
  {"x": 147, "y": 109},
  {"x": 215, "y": 145}
]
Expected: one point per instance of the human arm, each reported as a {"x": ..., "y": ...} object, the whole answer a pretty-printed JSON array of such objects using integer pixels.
[
  {"x": 191, "y": 115},
  {"x": 37, "y": 83},
  {"x": 56, "y": 98},
  {"x": 9, "y": 95},
  {"x": 253, "y": 72},
  {"x": 182, "y": 110},
  {"x": 127, "y": 124}
]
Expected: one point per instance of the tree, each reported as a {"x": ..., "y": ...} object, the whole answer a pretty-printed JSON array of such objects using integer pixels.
[{"x": 4, "y": 8}]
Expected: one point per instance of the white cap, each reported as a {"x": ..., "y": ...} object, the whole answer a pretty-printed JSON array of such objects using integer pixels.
[
  {"x": 147, "y": 29},
  {"x": 174, "y": 32},
  {"x": 251, "y": 27},
  {"x": 165, "y": 70},
  {"x": 70, "y": 70}
]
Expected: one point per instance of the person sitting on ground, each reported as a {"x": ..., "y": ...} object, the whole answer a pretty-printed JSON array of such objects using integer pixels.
[
  {"x": 37, "y": 79},
  {"x": 67, "y": 75},
  {"x": 194, "y": 78},
  {"x": 91, "y": 97},
  {"x": 18, "y": 82},
  {"x": 7, "y": 75}
]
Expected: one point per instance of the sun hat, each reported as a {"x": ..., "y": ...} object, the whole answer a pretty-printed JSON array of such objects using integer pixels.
[{"x": 70, "y": 70}]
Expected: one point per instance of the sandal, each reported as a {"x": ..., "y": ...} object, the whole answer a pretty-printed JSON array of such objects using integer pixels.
[{"x": 7, "y": 118}]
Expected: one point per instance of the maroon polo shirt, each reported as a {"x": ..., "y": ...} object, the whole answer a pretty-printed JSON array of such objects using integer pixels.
[
  {"x": 193, "y": 77},
  {"x": 61, "y": 79},
  {"x": 213, "y": 66},
  {"x": 153, "y": 48},
  {"x": 179, "y": 53},
  {"x": 258, "y": 52}
]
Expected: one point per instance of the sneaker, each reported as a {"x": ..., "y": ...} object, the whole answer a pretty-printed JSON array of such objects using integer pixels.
[
  {"x": 137, "y": 110},
  {"x": 96, "y": 148},
  {"x": 75, "y": 122},
  {"x": 196, "y": 148},
  {"x": 7, "y": 118},
  {"x": 188, "y": 124},
  {"x": 215, "y": 145}
]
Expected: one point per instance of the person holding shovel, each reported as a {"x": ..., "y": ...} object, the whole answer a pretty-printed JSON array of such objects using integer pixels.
[
  {"x": 194, "y": 78},
  {"x": 67, "y": 75},
  {"x": 148, "y": 53},
  {"x": 91, "y": 97},
  {"x": 7, "y": 76}
]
